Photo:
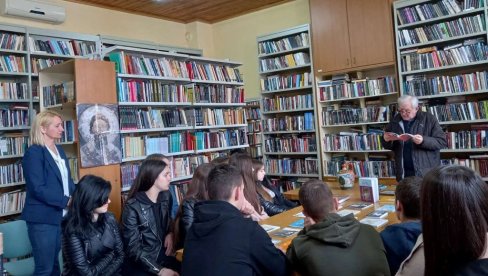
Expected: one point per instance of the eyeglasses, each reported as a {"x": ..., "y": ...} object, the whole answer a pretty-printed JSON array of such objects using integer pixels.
[{"x": 405, "y": 111}]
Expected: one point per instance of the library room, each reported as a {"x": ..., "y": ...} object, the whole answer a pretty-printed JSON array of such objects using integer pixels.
[{"x": 243, "y": 137}]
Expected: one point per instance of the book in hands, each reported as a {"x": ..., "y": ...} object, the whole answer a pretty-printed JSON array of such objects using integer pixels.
[
  {"x": 286, "y": 232},
  {"x": 402, "y": 137},
  {"x": 269, "y": 228},
  {"x": 377, "y": 214},
  {"x": 298, "y": 224}
]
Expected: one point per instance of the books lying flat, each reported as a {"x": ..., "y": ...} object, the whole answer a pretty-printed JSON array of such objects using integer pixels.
[
  {"x": 298, "y": 224},
  {"x": 275, "y": 242},
  {"x": 387, "y": 207},
  {"x": 342, "y": 199},
  {"x": 285, "y": 232},
  {"x": 269, "y": 228},
  {"x": 359, "y": 205},
  {"x": 300, "y": 215},
  {"x": 388, "y": 192},
  {"x": 377, "y": 214},
  {"x": 375, "y": 222},
  {"x": 346, "y": 212}
]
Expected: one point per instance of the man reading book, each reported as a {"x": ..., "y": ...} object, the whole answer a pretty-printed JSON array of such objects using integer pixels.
[
  {"x": 221, "y": 241},
  {"x": 400, "y": 238},
  {"x": 418, "y": 151},
  {"x": 334, "y": 245}
]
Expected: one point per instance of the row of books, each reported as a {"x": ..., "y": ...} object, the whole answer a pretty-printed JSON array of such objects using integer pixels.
[
  {"x": 279, "y": 82},
  {"x": 138, "y": 146},
  {"x": 430, "y": 10},
  {"x": 351, "y": 115},
  {"x": 254, "y": 127},
  {"x": 10, "y": 41},
  {"x": 288, "y": 123},
  {"x": 254, "y": 138},
  {"x": 12, "y": 202},
  {"x": 218, "y": 116},
  {"x": 284, "y": 44},
  {"x": 70, "y": 133},
  {"x": 478, "y": 163},
  {"x": 13, "y": 91},
  {"x": 345, "y": 141},
  {"x": 13, "y": 64},
  {"x": 291, "y": 166},
  {"x": 467, "y": 139},
  {"x": 220, "y": 139},
  {"x": 62, "y": 47},
  {"x": 151, "y": 91},
  {"x": 11, "y": 173},
  {"x": 329, "y": 90},
  {"x": 14, "y": 116},
  {"x": 454, "y": 28},
  {"x": 132, "y": 118},
  {"x": 459, "y": 111},
  {"x": 286, "y": 61},
  {"x": 431, "y": 57},
  {"x": 169, "y": 67},
  {"x": 58, "y": 93},
  {"x": 180, "y": 190},
  {"x": 255, "y": 151},
  {"x": 288, "y": 184},
  {"x": 421, "y": 85},
  {"x": 213, "y": 72},
  {"x": 217, "y": 94},
  {"x": 38, "y": 64},
  {"x": 281, "y": 103},
  {"x": 253, "y": 113},
  {"x": 383, "y": 168},
  {"x": 294, "y": 143}
]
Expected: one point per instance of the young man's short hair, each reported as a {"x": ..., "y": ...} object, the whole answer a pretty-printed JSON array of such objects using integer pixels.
[
  {"x": 408, "y": 194},
  {"x": 221, "y": 180},
  {"x": 316, "y": 199}
]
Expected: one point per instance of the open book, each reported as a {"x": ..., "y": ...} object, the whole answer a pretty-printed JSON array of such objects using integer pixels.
[{"x": 403, "y": 137}]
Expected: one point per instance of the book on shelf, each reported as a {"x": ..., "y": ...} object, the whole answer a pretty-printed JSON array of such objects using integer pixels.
[{"x": 368, "y": 189}]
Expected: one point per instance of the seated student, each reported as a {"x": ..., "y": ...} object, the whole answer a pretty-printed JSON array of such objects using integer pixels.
[
  {"x": 454, "y": 212},
  {"x": 146, "y": 223},
  {"x": 400, "y": 238},
  {"x": 171, "y": 192},
  {"x": 197, "y": 191},
  {"x": 334, "y": 245},
  {"x": 91, "y": 239},
  {"x": 270, "y": 197},
  {"x": 221, "y": 241}
]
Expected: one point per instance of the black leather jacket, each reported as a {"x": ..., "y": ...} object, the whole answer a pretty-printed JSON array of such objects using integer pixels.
[
  {"x": 186, "y": 219},
  {"x": 279, "y": 203},
  {"x": 143, "y": 241},
  {"x": 100, "y": 254}
]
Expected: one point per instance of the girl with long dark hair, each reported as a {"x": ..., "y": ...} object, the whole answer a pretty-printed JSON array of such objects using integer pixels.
[
  {"x": 91, "y": 239},
  {"x": 147, "y": 226}
]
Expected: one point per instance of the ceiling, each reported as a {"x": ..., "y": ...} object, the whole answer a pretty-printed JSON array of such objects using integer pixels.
[{"x": 209, "y": 11}]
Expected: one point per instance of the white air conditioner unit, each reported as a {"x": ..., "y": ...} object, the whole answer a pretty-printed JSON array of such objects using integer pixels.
[{"x": 33, "y": 9}]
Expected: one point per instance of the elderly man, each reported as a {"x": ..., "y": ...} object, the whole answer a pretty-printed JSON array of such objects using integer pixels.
[{"x": 415, "y": 137}]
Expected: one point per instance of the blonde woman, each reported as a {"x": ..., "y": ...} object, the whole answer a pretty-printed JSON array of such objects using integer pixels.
[{"x": 49, "y": 187}]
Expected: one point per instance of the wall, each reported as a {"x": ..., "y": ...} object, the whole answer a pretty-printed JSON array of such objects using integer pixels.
[
  {"x": 93, "y": 20},
  {"x": 236, "y": 38}
]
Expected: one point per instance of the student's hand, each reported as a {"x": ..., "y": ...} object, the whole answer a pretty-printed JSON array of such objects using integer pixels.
[
  {"x": 168, "y": 243},
  {"x": 263, "y": 215},
  {"x": 167, "y": 272},
  {"x": 247, "y": 208},
  {"x": 418, "y": 139}
]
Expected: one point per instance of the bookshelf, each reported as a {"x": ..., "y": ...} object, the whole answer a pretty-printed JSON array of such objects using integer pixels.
[
  {"x": 65, "y": 85},
  {"x": 189, "y": 108},
  {"x": 289, "y": 140},
  {"x": 254, "y": 127},
  {"x": 442, "y": 59}
]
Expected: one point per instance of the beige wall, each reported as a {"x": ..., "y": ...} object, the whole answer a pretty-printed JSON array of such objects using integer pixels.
[
  {"x": 234, "y": 38},
  {"x": 93, "y": 20}
]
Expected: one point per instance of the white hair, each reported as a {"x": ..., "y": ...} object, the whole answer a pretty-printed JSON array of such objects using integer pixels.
[{"x": 410, "y": 99}]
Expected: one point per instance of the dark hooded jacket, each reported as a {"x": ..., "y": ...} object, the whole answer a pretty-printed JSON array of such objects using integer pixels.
[
  {"x": 222, "y": 242},
  {"x": 338, "y": 246}
]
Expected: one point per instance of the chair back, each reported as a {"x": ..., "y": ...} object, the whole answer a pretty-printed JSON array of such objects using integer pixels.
[{"x": 15, "y": 239}]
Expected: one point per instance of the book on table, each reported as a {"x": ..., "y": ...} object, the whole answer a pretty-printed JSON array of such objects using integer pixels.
[
  {"x": 286, "y": 232},
  {"x": 377, "y": 214},
  {"x": 368, "y": 189},
  {"x": 298, "y": 224},
  {"x": 359, "y": 205},
  {"x": 269, "y": 228},
  {"x": 375, "y": 222},
  {"x": 345, "y": 212}
]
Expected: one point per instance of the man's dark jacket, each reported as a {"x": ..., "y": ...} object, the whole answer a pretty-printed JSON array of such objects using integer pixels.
[
  {"x": 222, "y": 242},
  {"x": 426, "y": 155},
  {"x": 338, "y": 246}
]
